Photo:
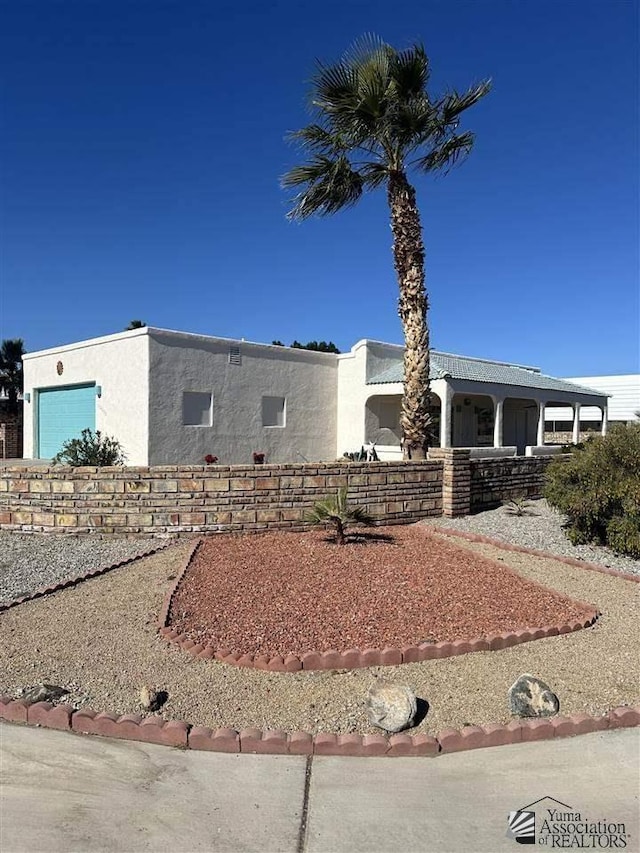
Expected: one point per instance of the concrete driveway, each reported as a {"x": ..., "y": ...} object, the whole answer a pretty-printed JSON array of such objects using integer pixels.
[{"x": 63, "y": 792}]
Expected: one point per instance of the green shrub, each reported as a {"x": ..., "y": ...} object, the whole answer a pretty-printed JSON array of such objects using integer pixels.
[
  {"x": 598, "y": 489},
  {"x": 92, "y": 448},
  {"x": 335, "y": 511},
  {"x": 623, "y": 535}
]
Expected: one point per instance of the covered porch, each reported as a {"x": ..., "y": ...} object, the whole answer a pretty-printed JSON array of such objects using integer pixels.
[{"x": 492, "y": 408}]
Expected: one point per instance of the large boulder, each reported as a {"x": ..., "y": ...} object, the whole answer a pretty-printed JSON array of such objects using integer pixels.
[
  {"x": 530, "y": 697},
  {"x": 391, "y": 707}
]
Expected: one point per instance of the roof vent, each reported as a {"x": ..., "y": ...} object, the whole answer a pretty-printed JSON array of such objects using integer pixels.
[{"x": 234, "y": 355}]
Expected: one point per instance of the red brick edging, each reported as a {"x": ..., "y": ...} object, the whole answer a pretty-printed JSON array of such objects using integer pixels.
[
  {"x": 178, "y": 733},
  {"x": 94, "y": 573},
  {"x": 359, "y": 658},
  {"x": 275, "y": 742}
]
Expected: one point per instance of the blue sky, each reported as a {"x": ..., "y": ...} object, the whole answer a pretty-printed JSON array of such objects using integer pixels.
[{"x": 142, "y": 145}]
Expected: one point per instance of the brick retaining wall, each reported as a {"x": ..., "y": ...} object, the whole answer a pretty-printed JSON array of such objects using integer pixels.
[
  {"x": 209, "y": 499},
  {"x": 497, "y": 480}
]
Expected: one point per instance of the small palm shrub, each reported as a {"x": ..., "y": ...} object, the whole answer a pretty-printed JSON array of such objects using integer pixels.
[
  {"x": 519, "y": 506},
  {"x": 92, "y": 448},
  {"x": 598, "y": 489},
  {"x": 336, "y": 512}
]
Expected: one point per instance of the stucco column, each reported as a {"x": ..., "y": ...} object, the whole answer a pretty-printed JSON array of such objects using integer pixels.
[
  {"x": 445, "y": 416},
  {"x": 605, "y": 418},
  {"x": 540, "y": 437},
  {"x": 576, "y": 423},
  {"x": 498, "y": 408}
]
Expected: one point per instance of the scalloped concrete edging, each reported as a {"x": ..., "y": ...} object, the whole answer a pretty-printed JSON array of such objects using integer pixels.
[
  {"x": 536, "y": 552},
  {"x": 94, "y": 573},
  {"x": 361, "y": 658},
  {"x": 177, "y": 733}
]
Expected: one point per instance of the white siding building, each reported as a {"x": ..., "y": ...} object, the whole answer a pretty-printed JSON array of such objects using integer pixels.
[
  {"x": 173, "y": 398},
  {"x": 624, "y": 400}
]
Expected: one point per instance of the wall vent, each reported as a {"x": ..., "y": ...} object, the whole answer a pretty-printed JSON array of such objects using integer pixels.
[{"x": 235, "y": 356}]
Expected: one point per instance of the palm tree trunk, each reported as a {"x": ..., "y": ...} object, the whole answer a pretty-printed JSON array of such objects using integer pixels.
[
  {"x": 340, "y": 532},
  {"x": 408, "y": 256}
]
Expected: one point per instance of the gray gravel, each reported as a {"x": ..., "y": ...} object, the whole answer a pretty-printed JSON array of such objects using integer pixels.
[
  {"x": 541, "y": 528},
  {"x": 30, "y": 561}
]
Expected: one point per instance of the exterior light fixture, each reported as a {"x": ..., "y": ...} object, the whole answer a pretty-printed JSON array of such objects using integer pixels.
[{"x": 98, "y": 390}]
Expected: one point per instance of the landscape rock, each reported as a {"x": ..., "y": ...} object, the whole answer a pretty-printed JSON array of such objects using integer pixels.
[
  {"x": 43, "y": 693},
  {"x": 391, "y": 707},
  {"x": 530, "y": 697},
  {"x": 152, "y": 699}
]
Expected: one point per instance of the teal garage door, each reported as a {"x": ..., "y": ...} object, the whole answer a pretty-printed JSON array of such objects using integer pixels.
[{"x": 62, "y": 414}]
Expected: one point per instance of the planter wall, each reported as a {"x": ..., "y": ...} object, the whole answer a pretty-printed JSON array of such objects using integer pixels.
[{"x": 208, "y": 499}]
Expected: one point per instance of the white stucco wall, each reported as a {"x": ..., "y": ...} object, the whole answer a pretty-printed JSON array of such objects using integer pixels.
[
  {"x": 366, "y": 359},
  {"x": 184, "y": 362},
  {"x": 119, "y": 364}
]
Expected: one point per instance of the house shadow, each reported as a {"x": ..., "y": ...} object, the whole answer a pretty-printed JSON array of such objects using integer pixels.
[{"x": 363, "y": 538}]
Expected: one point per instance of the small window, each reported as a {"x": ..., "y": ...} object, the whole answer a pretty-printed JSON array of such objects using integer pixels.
[
  {"x": 273, "y": 411},
  {"x": 235, "y": 356},
  {"x": 196, "y": 408}
]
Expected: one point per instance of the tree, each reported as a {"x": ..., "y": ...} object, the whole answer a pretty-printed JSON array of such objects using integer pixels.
[
  {"x": 316, "y": 346},
  {"x": 374, "y": 123},
  {"x": 135, "y": 324},
  {"x": 11, "y": 376}
]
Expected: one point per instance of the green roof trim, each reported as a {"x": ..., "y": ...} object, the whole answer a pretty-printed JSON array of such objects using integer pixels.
[{"x": 446, "y": 366}]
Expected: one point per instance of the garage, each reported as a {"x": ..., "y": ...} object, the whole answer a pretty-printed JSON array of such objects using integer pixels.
[{"x": 62, "y": 414}]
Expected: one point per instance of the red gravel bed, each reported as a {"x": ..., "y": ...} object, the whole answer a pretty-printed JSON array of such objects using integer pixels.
[{"x": 283, "y": 593}]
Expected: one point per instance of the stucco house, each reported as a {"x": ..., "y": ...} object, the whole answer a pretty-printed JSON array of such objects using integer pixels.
[{"x": 173, "y": 397}]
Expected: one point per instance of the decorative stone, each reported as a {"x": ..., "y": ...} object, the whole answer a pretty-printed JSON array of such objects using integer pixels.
[
  {"x": 152, "y": 699},
  {"x": 530, "y": 697},
  {"x": 43, "y": 693},
  {"x": 391, "y": 707}
]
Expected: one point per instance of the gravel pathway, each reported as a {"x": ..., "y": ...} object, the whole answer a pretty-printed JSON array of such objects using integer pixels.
[
  {"x": 541, "y": 528},
  {"x": 30, "y": 561},
  {"x": 99, "y": 640}
]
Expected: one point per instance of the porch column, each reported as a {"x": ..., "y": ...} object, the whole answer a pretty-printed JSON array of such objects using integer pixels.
[
  {"x": 605, "y": 418},
  {"x": 445, "y": 416},
  {"x": 498, "y": 406},
  {"x": 576, "y": 423},
  {"x": 540, "y": 437}
]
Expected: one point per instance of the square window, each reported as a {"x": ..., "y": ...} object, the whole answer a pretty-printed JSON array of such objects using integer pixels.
[
  {"x": 273, "y": 411},
  {"x": 196, "y": 408}
]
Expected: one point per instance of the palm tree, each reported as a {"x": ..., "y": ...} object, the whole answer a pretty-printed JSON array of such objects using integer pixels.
[
  {"x": 374, "y": 122},
  {"x": 135, "y": 324},
  {"x": 11, "y": 379},
  {"x": 336, "y": 511}
]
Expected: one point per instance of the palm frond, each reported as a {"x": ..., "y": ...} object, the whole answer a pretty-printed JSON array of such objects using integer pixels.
[
  {"x": 446, "y": 155},
  {"x": 330, "y": 184},
  {"x": 336, "y": 508},
  {"x": 316, "y": 137},
  {"x": 374, "y": 175},
  {"x": 410, "y": 72},
  {"x": 453, "y": 104}
]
